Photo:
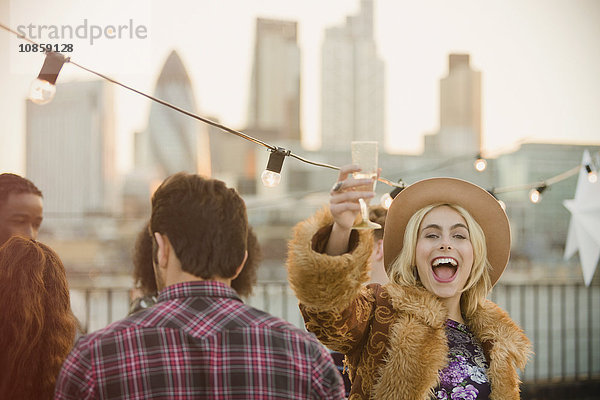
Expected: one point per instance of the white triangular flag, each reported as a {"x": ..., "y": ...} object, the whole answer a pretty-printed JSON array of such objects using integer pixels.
[{"x": 584, "y": 227}]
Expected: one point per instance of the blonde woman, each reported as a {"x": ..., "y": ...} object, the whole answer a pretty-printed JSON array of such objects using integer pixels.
[{"x": 430, "y": 333}]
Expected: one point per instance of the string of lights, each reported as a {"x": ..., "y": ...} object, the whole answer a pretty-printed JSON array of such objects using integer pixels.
[
  {"x": 480, "y": 162},
  {"x": 443, "y": 164},
  {"x": 43, "y": 90},
  {"x": 535, "y": 188}
]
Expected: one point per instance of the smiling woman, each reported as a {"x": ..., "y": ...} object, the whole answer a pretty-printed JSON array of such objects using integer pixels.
[{"x": 431, "y": 328}]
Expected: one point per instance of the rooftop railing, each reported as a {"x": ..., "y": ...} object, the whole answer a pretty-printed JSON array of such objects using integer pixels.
[{"x": 562, "y": 321}]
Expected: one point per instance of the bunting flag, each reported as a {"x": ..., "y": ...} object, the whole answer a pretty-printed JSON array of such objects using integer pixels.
[{"x": 584, "y": 232}]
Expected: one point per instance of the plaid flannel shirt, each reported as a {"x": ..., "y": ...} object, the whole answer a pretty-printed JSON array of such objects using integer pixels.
[{"x": 200, "y": 341}]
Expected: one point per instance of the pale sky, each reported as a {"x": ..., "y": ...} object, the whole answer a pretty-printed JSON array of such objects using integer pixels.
[{"x": 540, "y": 62}]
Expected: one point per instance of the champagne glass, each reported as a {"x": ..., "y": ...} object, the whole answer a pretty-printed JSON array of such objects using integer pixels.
[{"x": 364, "y": 154}]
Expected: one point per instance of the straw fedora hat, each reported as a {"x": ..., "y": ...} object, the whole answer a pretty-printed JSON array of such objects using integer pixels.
[{"x": 482, "y": 206}]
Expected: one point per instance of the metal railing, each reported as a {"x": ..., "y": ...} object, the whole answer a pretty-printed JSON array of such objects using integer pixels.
[{"x": 562, "y": 321}]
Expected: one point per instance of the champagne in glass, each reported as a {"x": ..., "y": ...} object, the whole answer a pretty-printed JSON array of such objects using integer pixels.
[{"x": 364, "y": 154}]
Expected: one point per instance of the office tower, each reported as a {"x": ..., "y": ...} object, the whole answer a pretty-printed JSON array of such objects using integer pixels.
[
  {"x": 274, "y": 104},
  {"x": 460, "y": 110},
  {"x": 70, "y": 149},
  {"x": 172, "y": 141},
  {"x": 352, "y": 83}
]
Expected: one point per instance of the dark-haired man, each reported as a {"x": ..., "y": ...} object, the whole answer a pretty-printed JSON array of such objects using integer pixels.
[
  {"x": 200, "y": 340},
  {"x": 21, "y": 207}
]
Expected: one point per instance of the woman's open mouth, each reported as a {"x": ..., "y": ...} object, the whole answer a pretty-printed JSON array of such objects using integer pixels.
[{"x": 444, "y": 269}]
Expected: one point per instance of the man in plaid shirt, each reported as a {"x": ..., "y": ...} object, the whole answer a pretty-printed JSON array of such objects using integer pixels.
[{"x": 200, "y": 341}]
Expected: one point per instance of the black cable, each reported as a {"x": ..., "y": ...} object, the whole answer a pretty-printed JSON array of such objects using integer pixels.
[
  {"x": 189, "y": 114},
  {"x": 400, "y": 184}
]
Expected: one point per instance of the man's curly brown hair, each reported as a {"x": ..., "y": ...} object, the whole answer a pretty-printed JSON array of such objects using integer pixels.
[{"x": 143, "y": 271}]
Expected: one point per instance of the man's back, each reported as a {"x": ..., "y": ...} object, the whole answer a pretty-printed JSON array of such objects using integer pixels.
[{"x": 199, "y": 341}]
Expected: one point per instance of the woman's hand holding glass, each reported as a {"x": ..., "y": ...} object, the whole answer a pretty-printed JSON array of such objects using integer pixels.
[
  {"x": 345, "y": 208},
  {"x": 365, "y": 155}
]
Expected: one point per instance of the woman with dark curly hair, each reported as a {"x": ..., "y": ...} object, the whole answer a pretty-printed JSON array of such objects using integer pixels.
[
  {"x": 145, "y": 281},
  {"x": 143, "y": 272},
  {"x": 244, "y": 283},
  {"x": 37, "y": 327}
]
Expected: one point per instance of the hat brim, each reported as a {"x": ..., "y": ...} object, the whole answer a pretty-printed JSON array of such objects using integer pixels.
[{"x": 482, "y": 206}]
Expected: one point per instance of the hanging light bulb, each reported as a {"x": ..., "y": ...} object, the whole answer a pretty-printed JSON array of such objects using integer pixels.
[
  {"x": 535, "y": 195},
  {"x": 270, "y": 178},
  {"x": 42, "y": 89},
  {"x": 386, "y": 200},
  {"x": 480, "y": 163},
  {"x": 493, "y": 193},
  {"x": 41, "y": 92},
  {"x": 592, "y": 174},
  {"x": 271, "y": 175},
  {"x": 502, "y": 204}
]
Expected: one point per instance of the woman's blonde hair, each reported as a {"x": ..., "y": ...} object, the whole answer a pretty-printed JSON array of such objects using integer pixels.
[{"x": 403, "y": 270}]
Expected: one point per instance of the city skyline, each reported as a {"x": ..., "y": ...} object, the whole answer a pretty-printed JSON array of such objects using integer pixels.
[{"x": 544, "y": 52}]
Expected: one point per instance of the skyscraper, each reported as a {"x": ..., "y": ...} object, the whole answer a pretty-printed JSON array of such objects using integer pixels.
[
  {"x": 460, "y": 110},
  {"x": 70, "y": 149},
  {"x": 274, "y": 104},
  {"x": 173, "y": 142},
  {"x": 352, "y": 82}
]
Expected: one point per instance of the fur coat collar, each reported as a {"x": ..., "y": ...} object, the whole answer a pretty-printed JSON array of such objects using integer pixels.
[{"x": 506, "y": 346}]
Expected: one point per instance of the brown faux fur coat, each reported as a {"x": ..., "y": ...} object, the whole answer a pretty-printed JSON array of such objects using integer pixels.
[{"x": 393, "y": 336}]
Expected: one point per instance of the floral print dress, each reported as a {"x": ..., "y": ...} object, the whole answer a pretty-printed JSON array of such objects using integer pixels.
[{"x": 464, "y": 378}]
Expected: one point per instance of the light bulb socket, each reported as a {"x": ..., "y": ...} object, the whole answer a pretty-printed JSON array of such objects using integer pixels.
[
  {"x": 276, "y": 158},
  {"x": 395, "y": 192},
  {"x": 51, "y": 68},
  {"x": 492, "y": 191},
  {"x": 541, "y": 188},
  {"x": 397, "y": 189}
]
